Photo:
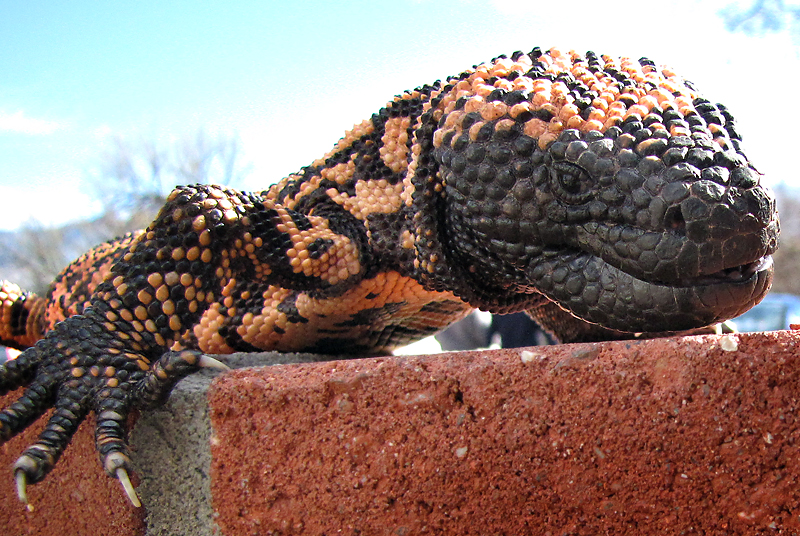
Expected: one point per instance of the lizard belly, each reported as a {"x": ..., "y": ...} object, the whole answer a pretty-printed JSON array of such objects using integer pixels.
[{"x": 377, "y": 315}]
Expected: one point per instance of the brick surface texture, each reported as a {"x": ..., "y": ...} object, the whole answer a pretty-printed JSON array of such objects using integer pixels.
[{"x": 670, "y": 436}]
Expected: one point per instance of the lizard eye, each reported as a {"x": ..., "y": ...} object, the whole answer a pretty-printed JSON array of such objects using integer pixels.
[{"x": 570, "y": 183}]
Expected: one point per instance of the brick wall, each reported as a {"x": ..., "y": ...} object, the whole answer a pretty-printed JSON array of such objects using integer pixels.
[{"x": 670, "y": 436}]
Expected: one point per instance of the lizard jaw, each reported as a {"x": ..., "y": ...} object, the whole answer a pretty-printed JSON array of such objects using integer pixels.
[{"x": 618, "y": 300}]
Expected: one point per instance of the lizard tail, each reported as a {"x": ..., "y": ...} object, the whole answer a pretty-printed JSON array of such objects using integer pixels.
[{"x": 21, "y": 316}]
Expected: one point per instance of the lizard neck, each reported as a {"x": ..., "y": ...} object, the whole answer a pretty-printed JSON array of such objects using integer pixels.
[{"x": 446, "y": 261}]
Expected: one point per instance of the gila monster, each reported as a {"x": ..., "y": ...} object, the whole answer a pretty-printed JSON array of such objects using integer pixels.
[{"x": 602, "y": 195}]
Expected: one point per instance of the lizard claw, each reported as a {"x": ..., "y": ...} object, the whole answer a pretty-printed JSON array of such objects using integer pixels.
[
  {"x": 124, "y": 479},
  {"x": 22, "y": 489},
  {"x": 211, "y": 363},
  {"x": 116, "y": 464}
]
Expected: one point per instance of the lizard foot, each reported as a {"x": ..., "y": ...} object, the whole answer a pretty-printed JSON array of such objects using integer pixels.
[{"x": 80, "y": 368}]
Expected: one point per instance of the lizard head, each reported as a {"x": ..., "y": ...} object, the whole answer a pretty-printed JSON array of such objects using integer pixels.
[{"x": 610, "y": 186}]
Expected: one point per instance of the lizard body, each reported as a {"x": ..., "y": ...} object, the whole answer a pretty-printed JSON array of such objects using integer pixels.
[{"x": 604, "y": 196}]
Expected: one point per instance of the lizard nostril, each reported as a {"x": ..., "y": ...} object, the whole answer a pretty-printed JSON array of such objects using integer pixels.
[{"x": 674, "y": 221}]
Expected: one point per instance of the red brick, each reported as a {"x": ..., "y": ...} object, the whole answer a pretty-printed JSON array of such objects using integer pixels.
[{"x": 668, "y": 436}]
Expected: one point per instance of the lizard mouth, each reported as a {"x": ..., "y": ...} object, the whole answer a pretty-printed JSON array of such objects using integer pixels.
[
  {"x": 614, "y": 298},
  {"x": 671, "y": 259},
  {"x": 736, "y": 274}
]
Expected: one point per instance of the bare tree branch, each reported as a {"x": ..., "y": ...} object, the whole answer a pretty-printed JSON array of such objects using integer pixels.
[
  {"x": 132, "y": 179},
  {"x": 134, "y": 176},
  {"x": 37, "y": 253}
]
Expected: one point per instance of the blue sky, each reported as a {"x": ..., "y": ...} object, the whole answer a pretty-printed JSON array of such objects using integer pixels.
[{"x": 290, "y": 77}]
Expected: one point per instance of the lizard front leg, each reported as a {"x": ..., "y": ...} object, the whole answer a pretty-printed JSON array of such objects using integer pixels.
[{"x": 165, "y": 301}]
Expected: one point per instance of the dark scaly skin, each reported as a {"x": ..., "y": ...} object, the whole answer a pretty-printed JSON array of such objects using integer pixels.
[
  {"x": 26, "y": 317},
  {"x": 604, "y": 197}
]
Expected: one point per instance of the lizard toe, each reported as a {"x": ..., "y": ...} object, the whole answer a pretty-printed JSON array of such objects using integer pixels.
[
  {"x": 34, "y": 401},
  {"x": 168, "y": 370},
  {"x": 38, "y": 459}
]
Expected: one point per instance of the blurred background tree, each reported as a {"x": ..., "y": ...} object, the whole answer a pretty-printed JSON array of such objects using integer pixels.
[
  {"x": 135, "y": 175},
  {"x": 131, "y": 181},
  {"x": 787, "y": 258}
]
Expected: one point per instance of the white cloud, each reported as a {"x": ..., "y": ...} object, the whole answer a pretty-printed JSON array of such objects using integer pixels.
[
  {"x": 49, "y": 204},
  {"x": 20, "y": 123}
]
